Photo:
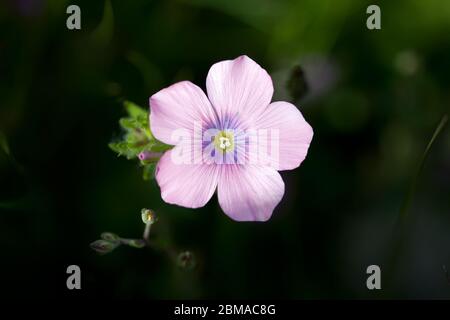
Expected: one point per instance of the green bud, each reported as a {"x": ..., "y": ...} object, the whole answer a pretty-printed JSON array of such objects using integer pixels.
[
  {"x": 186, "y": 260},
  {"x": 148, "y": 216},
  {"x": 108, "y": 236},
  {"x": 103, "y": 246}
]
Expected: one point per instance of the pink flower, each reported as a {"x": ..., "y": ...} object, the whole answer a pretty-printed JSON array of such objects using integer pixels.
[{"x": 220, "y": 141}]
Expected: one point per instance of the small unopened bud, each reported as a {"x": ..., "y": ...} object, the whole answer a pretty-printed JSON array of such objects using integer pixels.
[
  {"x": 186, "y": 260},
  {"x": 109, "y": 236},
  {"x": 103, "y": 246},
  {"x": 148, "y": 216},
  {"x": 148, "y": 156}
]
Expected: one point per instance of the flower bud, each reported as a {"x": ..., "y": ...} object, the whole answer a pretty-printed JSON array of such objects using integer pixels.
[
  {"x": 109, "y": 236},
  {"x": 103, "y": 246},
  {"x": 148, "y": 216},
  {"x": 149, "y": 157},
  {"x": 186, "y": 260}
]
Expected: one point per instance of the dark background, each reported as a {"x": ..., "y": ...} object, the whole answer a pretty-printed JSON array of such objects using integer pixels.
[{"x": 374, "y": 99}]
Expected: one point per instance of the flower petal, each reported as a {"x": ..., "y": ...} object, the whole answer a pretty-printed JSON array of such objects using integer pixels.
[
  {"x": 294, "y": 133},
  {"x": 239, "y": 86},
  {"x": 179, "y": 106},
  {"x": 185, "y": 184},
  {"x": 249, "y": 193}
]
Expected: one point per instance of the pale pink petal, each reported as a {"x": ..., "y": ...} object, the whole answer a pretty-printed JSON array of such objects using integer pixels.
[
  {"x": 179, "y": 106},
  {"x": 189, "y": 185},
  {"x": 294, "y": 133},
  {"x": 239, "y": 86},
  {"x": 249, "y": 193}
]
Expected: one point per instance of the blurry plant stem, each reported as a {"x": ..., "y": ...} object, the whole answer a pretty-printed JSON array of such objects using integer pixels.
[
  {"x": 146, "y": 235},
  {"x": 401, "y": 227},
  {"x": 404, "y": 210},
  {"x": 110, "y": 241},
  {"x": 171, "y": 252}
]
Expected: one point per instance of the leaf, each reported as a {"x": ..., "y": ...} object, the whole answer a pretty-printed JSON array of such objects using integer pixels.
[
  {"x": 136, "y": 139},
  {"x": 134, "y": 110},
  {"x": 137, "y": 122},
  {"x": 158, "y": 146},
  {"x": 121, "y": 148},
  {"x": 149, "y": 171},
  {"x": 128, "y": 123}
]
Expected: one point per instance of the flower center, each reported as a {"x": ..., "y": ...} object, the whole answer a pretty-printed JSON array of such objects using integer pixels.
[{"x": 224, "y": 141}]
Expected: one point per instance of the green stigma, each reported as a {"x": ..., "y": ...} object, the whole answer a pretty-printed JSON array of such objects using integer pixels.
[{"x": 224, "y": 141}]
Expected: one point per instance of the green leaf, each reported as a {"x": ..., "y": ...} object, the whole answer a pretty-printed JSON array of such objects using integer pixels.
[
  {"x": 149, "y": 171},
  {"x": 136, "y": 139},
  {"x": 129, "y": 123},
  {"x": 157, "y": 146},
  {"x": 118, "y": 147},
  {"x": 122, "y": 149},
  {"x": 134, "y": 111}
]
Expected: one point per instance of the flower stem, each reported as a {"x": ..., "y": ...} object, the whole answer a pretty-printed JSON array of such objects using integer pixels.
[
  {"x": 400, "y": 230},
  {"x": 409, "y": 196},
  {"x": 147, "y": 229}
]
